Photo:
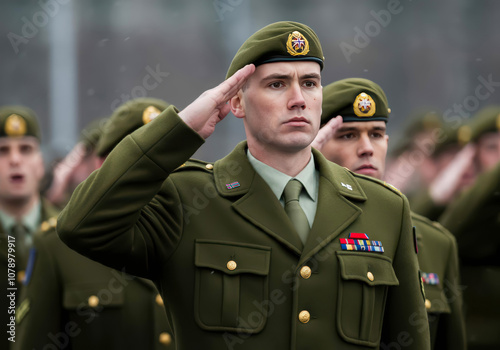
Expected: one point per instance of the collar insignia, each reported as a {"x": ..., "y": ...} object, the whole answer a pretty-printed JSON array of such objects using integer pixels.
[
  {"x": 363, "y": 105},
  {"x": 297, "y": 44},
  {"x": 233, "y": 185}
]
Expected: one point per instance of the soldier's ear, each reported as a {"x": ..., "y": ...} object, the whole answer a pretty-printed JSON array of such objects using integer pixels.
[{"x": 237, "y": 103}]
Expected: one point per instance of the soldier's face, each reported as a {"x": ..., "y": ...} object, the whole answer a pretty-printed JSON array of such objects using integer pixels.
[
  {"x": 21, "y": 168},
  {"x": 488, "y": 151},
  {"x": 360, "y": 147},
  {"x": 281, "y": 106}
]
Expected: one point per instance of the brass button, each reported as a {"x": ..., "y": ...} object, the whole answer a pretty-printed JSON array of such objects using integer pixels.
[
  {"x": 45, "y": 226},
  {"x": 428, "y": 304},
  {"x": 304, "y": 316},
  {"x": 209, "y": 166},
  {"x": 305, "y": 272},
  {"x": 21, "y": 276},
  {"x": 231, "y": 265},
  {"x": 93, "y": 301},
  {"x": 53, "y": 222},
  {"x": 370, "y": 276},
  {"x": 165, "y": 338},
  {"x": 159, "y": 299}
]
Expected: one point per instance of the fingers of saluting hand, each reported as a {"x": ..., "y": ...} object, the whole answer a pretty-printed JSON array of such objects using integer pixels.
[
  {"x": 211, "y": 107},
  {"x": 327, "y": 132}
]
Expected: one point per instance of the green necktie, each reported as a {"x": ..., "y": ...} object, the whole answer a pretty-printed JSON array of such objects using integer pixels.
[
  {"x": 294, "y": 210},
  {"x": 20, "y": 232}
]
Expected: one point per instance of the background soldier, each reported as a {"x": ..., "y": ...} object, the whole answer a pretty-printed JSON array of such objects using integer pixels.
[
  {"x": 73, "y": 302},
  {"x": 22, "y": 209},
  {"x": 360, "y": 144}
]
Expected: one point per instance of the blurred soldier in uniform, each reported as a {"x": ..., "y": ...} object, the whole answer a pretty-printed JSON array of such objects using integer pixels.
[
  {"x": 248, "y": 251},
  {"x": 73, "y": 302},
  {"x": 360, "y": 144},
  {"x": 22, "y": 208},
  {"x": 474, "y": 218},
  {"x": 77, "y": 165}
]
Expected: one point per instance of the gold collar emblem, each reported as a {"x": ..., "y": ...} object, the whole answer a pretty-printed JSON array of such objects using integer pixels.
[
  {"x": 297, "y": 44},
  {"x": 149, "y": 114},
  {"x": 15, "y": 125},
  {"x": 364, "y": 106}
]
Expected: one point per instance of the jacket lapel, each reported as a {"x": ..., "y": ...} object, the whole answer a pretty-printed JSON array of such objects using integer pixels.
[
  {"x": 253, "y": 199},
  {"x": 336, "y": 209}
]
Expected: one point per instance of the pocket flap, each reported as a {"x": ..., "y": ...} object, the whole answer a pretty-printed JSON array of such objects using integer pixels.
[
  {"x": 92, "y": 295},
  {"x": 232, "y": 258},
  {"x": 371, "y": 269},
  {"x": 438, "y": 301}
]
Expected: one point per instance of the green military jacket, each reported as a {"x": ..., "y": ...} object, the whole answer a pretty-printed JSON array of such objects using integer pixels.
[
  {"x": 226, "y": 258},
  {"x": 8, "y": 307},
  {"x": 438, "y": 261},
  {"x": 72, "y": 302},
  {"x": 474, "y": 219}
]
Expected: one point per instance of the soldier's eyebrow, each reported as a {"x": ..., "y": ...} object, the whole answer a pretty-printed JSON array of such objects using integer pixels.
[{"x": 279, "y": 76}]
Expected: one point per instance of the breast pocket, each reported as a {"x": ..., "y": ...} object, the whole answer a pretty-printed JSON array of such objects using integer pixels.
[
  {"x": 364, "y": 280},
  {"x": 231, "y": 286}
]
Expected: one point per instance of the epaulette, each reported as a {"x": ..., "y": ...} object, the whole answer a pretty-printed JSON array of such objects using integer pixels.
[
  {"x": 49, "y": 224},
  {"x": 195, "y": 164},
  {"x": 377, "y": 181}
]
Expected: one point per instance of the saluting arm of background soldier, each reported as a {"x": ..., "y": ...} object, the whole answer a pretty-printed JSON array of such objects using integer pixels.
[
  {"x": 327, "y": 132},
  {"x": 123, "y": 213}
]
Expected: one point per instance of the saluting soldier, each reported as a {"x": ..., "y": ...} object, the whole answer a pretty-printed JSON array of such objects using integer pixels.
[
  {"x": 356, "y": 112},
  {"x": 474, "y": 218},
  {"x": 247, "y": 251},
  {"x": 22, "y": 208},
  {"x": 72, "y": 302}
]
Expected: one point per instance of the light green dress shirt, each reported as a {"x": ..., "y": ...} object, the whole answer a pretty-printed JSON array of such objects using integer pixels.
[{"x": 309, "y": 177}]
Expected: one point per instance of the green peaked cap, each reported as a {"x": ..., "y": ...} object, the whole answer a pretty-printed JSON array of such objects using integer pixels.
[
  {"x": 277, "y": 42},
  {"x": 18, "y": 121},
  {"x": 127, "y": 118},
  {"x": 355, "y": 99}
]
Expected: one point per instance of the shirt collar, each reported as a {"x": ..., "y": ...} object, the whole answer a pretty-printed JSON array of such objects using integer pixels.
[
  {"x": 278, "y": 180},
  {"x": 30, "y": 220}
]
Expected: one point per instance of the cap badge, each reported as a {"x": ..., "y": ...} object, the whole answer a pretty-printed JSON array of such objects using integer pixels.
[
  {"x": 498, "y": 122},
  {"x": 149, "y": 114},
  {"x": 297, "y": 44},
  {"x": 364, "y": 106},
  {"x": 464, "y": 134},
  {"x": 15, "y": 125}
]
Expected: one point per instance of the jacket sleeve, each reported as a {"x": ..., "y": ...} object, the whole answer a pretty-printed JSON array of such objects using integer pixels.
[
  {"x": 405, "y": 320},
  {"x": 451, "y": 331},
  {"x": 115, "y": 216}
]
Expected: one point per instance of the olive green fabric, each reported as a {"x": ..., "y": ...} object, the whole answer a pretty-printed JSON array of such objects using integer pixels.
[
  {"x": 47, "y": 211},
  {"x": 474, "y": 220},
  {"x": 438, "y": 254},
  {"x": 280, "y": 41},
  {"x": 17, "y": 121},
  {"x": 151, "y": 210},
  {"x": 484, "y": 121},
  {"x": 91, "y": 134},
  {"x": 345, "y": 97},
  {"x": 126, "y": 118},
  {"x": 72, "y": 302}
]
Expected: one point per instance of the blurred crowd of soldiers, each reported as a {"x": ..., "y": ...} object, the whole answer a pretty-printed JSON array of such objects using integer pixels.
[{"x": 449, "y": 173}]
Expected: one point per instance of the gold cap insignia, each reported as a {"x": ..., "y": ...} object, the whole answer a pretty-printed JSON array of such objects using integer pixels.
[
  {"x": 498, "y": 122},
  {"x": 15, "y": 125},
  {"x": 297, "y": 44},
  {"x": 364, "y": 106},
  {"x": 149, "y": 114},
  {"x": 464, "y": 134}
]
